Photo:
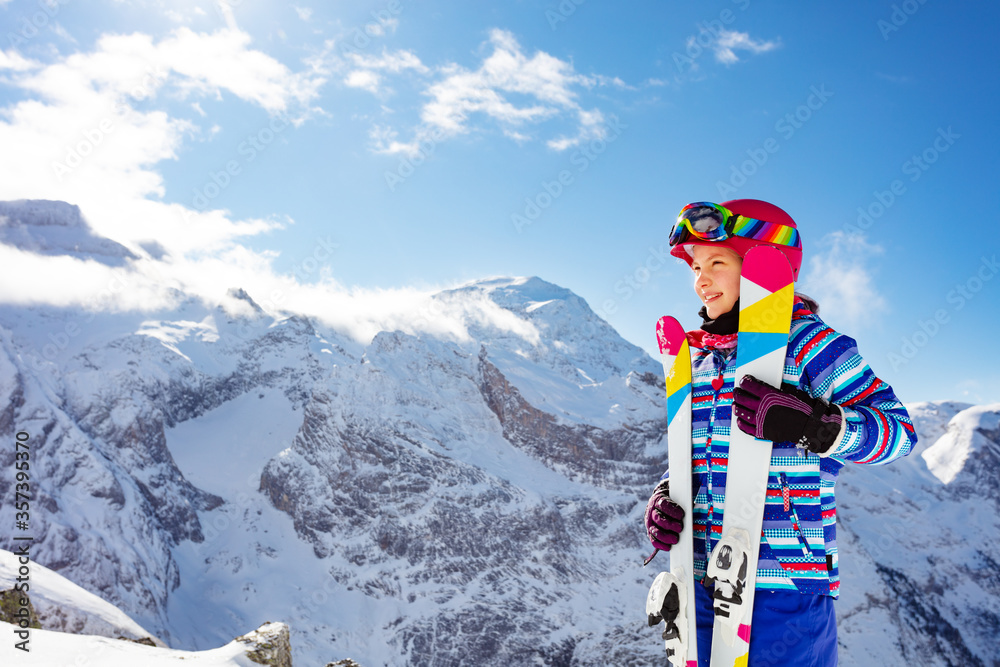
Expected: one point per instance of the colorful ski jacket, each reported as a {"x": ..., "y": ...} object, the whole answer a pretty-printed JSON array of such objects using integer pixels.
[{"x": 798, "y": 544}]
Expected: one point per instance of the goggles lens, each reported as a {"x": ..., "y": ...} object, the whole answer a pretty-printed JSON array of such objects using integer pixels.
[{"x": 702, "y": 219}]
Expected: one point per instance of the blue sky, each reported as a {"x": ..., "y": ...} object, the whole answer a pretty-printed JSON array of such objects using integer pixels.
[{"x": 347, "y": 158}]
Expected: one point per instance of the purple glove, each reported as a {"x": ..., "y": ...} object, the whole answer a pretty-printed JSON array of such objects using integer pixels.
[
  {"x": 786, "y": 415},
  {"x": 664, "y": 518}
]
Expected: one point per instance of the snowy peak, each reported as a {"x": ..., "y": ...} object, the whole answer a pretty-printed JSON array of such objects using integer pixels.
[
  {"x": 43, "y": 213},
  {"x": 238, "y": 300},
  {"x": 520, "y": 294},
  {"x": 970, "y": 445},
  {"x": 56, "y": 228},
  {"x": 930, "y": 419},
  {"x": 549, "y": 322},
  {"x": 524, "y": 296}
]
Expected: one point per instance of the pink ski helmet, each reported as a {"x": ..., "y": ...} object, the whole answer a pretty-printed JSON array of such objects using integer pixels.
[{"x": 753, "y": 222}]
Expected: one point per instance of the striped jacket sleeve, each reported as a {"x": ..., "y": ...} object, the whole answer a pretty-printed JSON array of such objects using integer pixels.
[{"x": 876, "y": 427}]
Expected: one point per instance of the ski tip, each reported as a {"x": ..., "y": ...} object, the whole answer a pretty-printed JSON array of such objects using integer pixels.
[
  {"x": 768, "y": 267},
  {"x": 669, "y": 335}
]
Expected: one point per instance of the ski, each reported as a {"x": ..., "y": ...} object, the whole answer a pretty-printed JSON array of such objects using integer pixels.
[
  {"x": 671, "y": 597},
  {"x": 767, "y": 293}
]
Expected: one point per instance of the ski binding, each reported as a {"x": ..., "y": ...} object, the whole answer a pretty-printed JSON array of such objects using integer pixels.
[
  {"x": 727, "y": 567},
  {"x": 667, "y": 602}
]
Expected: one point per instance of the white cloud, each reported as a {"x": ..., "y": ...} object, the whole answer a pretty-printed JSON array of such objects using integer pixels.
[
  {"x": 226, "y": 11},
  {"x": 495, "y": 91},
  {"x": 387, "y": 23},
  {"x": 364, "y": 79},
  {"x": 147, "y": 285},
  {"x": 304, "y": 13},
  {"x": 596, "y": 80},
  {"x": 67, "y": 281},
  {"x": 397, "y": 61},
  {"x": 81, "y": 136},
  {"x": 591, "y": 127},
  {"x": 841, "y": 279},
  {"x": 365, "y": 74},
  {"x": 14, "y": 61},
  {"x": 729, "y": 41},
  {"x": 223, "y": 61},
  {"x": 385, "y": 140}
]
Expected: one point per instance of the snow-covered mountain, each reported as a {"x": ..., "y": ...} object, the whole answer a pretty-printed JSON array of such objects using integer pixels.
[
  {"x": 921, "y": 539},
  {"x": 472, "y": 496},
  {"x": 56, "y": 228}
]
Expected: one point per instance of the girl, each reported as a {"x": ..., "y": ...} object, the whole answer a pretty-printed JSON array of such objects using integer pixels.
[{"x": 831, "y": 409}]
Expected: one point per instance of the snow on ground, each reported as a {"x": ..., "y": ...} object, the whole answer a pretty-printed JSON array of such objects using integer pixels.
[
  {"x": 84, "y": 647},
  {"x": 55, "y": 649},
  {"x": 50, "y": 590},
  {"x": 252, "y": 566},
  {"x": 224, "y": 450}
]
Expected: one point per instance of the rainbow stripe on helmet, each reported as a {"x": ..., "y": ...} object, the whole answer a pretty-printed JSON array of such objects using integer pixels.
[{"x": 767, "y": 232}]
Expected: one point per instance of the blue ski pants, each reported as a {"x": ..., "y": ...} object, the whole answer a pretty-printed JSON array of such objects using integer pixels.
[{"x": 789, "y": 628}]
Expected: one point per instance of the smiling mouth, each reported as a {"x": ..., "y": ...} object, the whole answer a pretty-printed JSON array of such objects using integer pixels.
[{"x": 708, "y": 298}]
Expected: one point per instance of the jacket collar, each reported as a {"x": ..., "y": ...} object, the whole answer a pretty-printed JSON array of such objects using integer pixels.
[{"x": 712, "y": 337}]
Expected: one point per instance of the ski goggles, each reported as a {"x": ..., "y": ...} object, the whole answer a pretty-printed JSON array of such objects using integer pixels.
[{"x": 712, "y": 222}]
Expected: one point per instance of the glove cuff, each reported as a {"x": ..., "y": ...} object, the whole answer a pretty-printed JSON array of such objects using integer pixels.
[
  {"x": 824, "y": 429},
  {"x": 841, "y": 441}
]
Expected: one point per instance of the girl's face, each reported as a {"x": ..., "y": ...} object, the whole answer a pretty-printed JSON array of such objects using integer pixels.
[{"x": 716, "y": 277}]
